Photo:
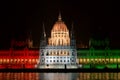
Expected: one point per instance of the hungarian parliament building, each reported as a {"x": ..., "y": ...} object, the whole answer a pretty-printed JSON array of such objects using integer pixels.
[{"x": 60, "y": 51}]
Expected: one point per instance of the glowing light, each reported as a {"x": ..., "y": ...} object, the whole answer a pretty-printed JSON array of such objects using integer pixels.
[
  {"x": 88, "y": 60},
  {"x": 7, "y": 60},
  {"x": 111, "y": 60},
  {"x": 59, "y": 34},
  {"x": 115, "y": 60},
  {"x": 11, "y": 60},
  {"x": 4, "y": 60},
  {"x": 25, "y": 60},
  {"x": 118, "y": 60},
  {"x": 30, "y": 60},
  {"x": 33, "y": 60}
]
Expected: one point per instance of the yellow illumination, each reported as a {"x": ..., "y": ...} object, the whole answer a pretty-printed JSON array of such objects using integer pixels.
[
  {"x": 111, "y": 60},
  {"x": 119, "y": 60},
  {"x": 87, "y": 60},
  {"x": 80, "y": 60},
  {"x": 84, "y": 60},
  {"x": 99, "y": 60},
  {"x": 115, "y": 60},
  {"x": 96, "y": 59},
  {"x": 92, "y": 59},
  {"x": 107, "y": 60}
]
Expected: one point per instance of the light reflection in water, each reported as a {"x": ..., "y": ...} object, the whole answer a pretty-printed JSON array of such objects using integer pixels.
[{"x": 58, "y": 76}]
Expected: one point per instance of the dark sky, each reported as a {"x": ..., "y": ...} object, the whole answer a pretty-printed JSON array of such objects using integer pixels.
[{"x": 89, "y": 17}]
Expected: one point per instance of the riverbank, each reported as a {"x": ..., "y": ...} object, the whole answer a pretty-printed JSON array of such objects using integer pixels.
[{"x": 59, "y": 70}]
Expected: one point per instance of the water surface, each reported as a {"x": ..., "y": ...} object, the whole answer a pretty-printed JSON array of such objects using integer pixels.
[{"x": 58, "y": 76}]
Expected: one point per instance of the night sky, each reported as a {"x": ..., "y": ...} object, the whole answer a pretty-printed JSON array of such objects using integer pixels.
[{"x": 89, "y": 18}]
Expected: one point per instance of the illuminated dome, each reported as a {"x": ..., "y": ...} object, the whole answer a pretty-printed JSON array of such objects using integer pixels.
[
  {"x": 59, "y": 34},
  {"x": 59, "y": 25}
]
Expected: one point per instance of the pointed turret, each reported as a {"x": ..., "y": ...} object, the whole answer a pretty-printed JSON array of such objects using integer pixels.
[
  {"x": 72, "y": 36},
  {"x": 30, "y": 41},
  {"x": 44, "y": 34},
  {"x": 72, "y": 31},
  {"x": 43, "y": 41}
]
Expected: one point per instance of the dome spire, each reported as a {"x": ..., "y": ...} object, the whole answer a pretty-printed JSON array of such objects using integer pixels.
[{"x": 59, "y": 16}]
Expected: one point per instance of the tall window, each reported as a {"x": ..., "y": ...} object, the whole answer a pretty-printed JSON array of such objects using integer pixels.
[
  {"x": 57, "y": 52},
  {"x": 68, "y": 53},
  {"x": 47, "y": 54},
  {"x": 59, "y": 42}
]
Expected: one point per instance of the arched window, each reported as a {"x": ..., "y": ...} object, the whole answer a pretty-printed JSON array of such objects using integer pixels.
[
  {"x": 62, "y": 35},
  {"x": 42, "y": 54},
  {"x": 72, "y": 53},
  {"x": 60, "y": 52},
  {"x": 57, "y": 52},
  {"x": 68, "y": 53},
  {"x": 67, "y": 60},
  {"x": 50, "y": 42},
  {"x": 54, "y": 52},
  {"x": 59, "y": 42},
  {"x": 62, "y": 42},
  {"x": 50, "y": 52}
]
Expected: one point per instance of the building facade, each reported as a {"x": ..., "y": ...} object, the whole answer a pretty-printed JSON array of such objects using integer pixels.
[
  {"x": 60, "y": 50},
  {"x": 17, "y": 59}
]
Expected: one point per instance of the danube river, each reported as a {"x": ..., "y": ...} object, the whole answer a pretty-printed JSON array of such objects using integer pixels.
[{"x": 58, "y": 76}]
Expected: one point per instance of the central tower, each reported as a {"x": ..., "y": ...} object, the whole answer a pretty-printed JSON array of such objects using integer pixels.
[
  {"x": 59, "y": 34},
  {"x": 60, "y": 50}
]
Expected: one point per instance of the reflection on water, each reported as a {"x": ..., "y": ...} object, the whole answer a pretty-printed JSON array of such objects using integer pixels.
[
  {"x": 19, "y": 76},
  {"x": 58, "y": 76}
]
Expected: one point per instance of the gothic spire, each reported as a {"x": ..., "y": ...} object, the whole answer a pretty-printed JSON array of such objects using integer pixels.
[
  {"x": 43, "y": 38},
  {"x": 73, "y": 41},
  {"x": 44, "y": 34},
  {"x": 72, "y": 30},
  {"x": 59, "y": 16}
]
